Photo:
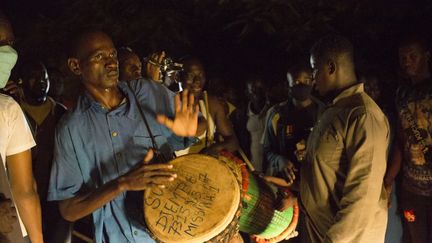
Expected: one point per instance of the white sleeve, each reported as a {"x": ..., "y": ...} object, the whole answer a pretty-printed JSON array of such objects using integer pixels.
[{"x": 20, "y": 136}]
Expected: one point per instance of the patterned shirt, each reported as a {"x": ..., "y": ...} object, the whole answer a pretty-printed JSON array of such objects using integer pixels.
[{"x": 414, "y": 107}]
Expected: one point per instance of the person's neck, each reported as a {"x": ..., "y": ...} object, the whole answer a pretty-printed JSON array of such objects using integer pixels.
[
  {"x": 34, "y": 102},
  {"x": 257, "y": 107},
  {"x": 109, "y": 98},
  {"x": 338, "y": 89},
  {"x": 302, "y": 103}
]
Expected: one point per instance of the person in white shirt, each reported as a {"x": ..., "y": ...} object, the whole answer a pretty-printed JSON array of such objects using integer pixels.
[{"x": 16, "y": 141}]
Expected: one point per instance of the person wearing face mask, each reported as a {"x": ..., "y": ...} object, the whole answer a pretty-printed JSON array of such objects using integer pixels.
[
  {"x": 43, "y": 114},
  {"x": 15, "y": 143},
  {"x": 288, "y": 125}
]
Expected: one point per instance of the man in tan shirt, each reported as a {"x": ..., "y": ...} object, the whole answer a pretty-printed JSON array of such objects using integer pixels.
[{"x": 341, "y": 188}]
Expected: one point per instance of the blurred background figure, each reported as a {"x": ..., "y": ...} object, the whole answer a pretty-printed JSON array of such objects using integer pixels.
[
  {"x": 43, "y": 113},
  {"x": 130, "y": 66},
  {"x": 373, "y": 85},
  {"x": 219, "y": 134},
  {"x": 257, "y": 109}
]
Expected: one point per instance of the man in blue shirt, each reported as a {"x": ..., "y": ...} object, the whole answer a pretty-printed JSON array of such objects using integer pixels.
[{"x": 102, "y": 148}]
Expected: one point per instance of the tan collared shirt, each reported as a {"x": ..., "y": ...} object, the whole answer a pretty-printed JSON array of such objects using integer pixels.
[{"x": 342, "y": 179}]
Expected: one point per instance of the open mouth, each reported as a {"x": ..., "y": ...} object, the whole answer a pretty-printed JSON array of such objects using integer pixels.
[{"x": 113, "y": 74}]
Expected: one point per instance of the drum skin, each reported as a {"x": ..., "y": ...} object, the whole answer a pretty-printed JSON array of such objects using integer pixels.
[{"x": 200, "y": 205}]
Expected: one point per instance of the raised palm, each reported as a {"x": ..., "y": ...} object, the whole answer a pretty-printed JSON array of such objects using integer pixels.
[{"x": 185, "y": 122}]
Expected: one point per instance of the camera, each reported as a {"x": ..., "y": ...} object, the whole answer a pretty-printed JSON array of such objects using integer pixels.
[
  {"x": 169, "y": 72},
  {"x": 169, "y": 67}
]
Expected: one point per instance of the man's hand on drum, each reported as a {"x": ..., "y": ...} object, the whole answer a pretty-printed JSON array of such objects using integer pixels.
[
  {"x": 146, "y": 175},
  {"x": 289, "y": 172},
  {"x": 185, "y": 122}
]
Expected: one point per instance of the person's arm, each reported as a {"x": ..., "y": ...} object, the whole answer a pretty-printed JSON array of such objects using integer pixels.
[
  {"x": 224, "y": 128},
  {"x": 366, "y": 145},
  {"x": 23, "y": 187},
  {"x": 143, "y": 177},
  {"x": 276, "y": 162},
  {"x": 396, "y": 162},
  {"x": 202, "y": 126}
]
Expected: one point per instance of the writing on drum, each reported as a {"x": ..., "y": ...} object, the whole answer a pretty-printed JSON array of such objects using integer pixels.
[{"x": 183, "y": 205}]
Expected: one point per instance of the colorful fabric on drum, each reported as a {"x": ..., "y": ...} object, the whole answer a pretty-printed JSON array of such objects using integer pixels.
[{"x": 94, "y": 146}]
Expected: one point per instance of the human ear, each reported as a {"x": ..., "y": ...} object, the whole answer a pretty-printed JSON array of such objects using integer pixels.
[
  {"x": 331, "y": 67},
  {"x": 73, "y": 65}
]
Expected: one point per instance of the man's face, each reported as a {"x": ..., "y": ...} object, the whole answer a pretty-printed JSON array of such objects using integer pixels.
[
  {"x": 256, "y": 91},
  {"x": 98, "y": 62},
  {"x": 195, "y": 79},
  {"x": 38, "y": 85},
  {"x": 130, "y": 69},
  {"x": 320, "y": 76},
  {"x": 413, "y": 59},
  {"x": 6, "y": 34},
  {"x": 302, "y": 78}
]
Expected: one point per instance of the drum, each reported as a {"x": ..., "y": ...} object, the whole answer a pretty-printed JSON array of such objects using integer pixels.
[
  {"x": 259, "y": 216},
  {"x": 212, "y": 199},
  {"x": 201, "y": 205}
]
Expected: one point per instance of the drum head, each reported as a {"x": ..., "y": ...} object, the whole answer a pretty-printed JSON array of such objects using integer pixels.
[{"x": 197, "y": 206}]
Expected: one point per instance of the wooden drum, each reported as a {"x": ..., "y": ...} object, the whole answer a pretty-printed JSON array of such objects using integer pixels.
[{"x": 201, "y": 205}]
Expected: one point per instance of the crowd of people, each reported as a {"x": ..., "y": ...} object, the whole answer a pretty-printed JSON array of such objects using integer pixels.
[{"x": 356, "y": 160}]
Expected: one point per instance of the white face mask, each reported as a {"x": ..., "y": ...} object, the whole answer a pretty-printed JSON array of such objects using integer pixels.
[{"x": 8, "y": 58}]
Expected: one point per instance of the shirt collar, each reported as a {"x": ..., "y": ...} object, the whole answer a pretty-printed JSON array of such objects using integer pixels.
[
  {"x": 86, "y": 101},
  {"x": 355, "y": 89}
]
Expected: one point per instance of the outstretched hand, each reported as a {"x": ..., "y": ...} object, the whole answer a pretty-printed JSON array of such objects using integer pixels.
[{"x": 185, "y": 122}]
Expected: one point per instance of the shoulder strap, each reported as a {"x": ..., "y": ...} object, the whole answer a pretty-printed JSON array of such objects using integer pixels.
[{"x": 159, "y": 156}]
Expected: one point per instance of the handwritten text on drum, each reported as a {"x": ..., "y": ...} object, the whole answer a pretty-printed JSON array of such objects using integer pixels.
[{"x": 189, "y": 201}]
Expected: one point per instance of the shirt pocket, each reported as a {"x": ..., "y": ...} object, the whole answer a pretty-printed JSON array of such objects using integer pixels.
[{"x": 329, "y": 147}]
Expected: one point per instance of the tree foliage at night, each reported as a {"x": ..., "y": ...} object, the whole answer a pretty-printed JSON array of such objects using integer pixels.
[{"x": 258, "y": 34}]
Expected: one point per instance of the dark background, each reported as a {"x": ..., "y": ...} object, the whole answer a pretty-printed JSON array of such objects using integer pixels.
[{"x": 235, "y": 38}]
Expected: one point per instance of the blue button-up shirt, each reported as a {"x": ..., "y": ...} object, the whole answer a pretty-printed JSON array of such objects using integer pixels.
[{"x": 94, "y": 146}]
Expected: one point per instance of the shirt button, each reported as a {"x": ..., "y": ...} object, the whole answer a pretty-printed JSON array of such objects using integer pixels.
[
  {"x": 135, "y": 232},
  {"x": 114, "y": 134}
]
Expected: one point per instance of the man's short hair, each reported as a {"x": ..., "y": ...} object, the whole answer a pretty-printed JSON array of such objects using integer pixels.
[
  {"x": 77, "y": 41},
  {"x": 296, "y": 69},
  {"x": 123, "y": 53},
  {"x": 332, "y": 46}
]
